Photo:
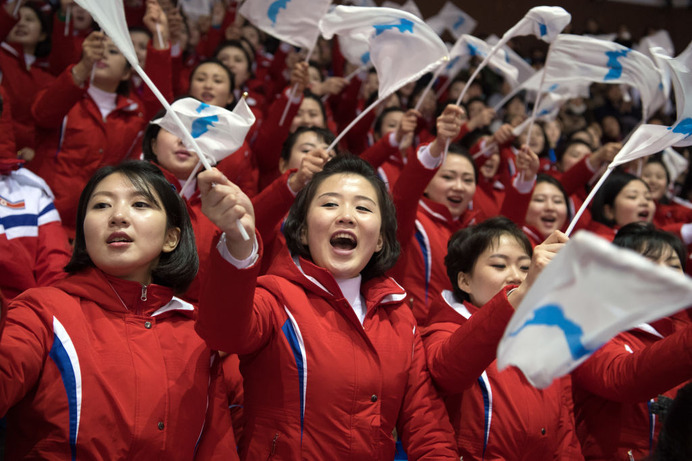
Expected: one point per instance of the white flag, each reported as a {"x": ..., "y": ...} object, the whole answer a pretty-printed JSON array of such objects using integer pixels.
[
  {"x": 588, "y": 59},
  {"x": 523, "y": 68},
  {"x": 590, "y": 292},
  {"x": 292, "y": 21},
  {"x": 545, "y": 22},
  {"x": 470, "y": 46},
  {"x": 218, "y": 132},
  {"x": 110, "y": 15},
  {"x": 452, "y": 18},
  {"x": 675, "y": 163},
  {"x": 402, "y": 47},
  {"x": 410, "y": 7}
]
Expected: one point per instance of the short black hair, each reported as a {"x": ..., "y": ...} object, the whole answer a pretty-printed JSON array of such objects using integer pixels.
[
  {"x": 675, "y": 439},
  {"x": 647, "y": 240},
  {"x": 607, "y": 193},
  {"x": 236, "y": 44},
  {"x": 294, "y": 226},
  {"x": 466, "y": 245},
  {"x": 175, "y": 269},
  {"x": 231, "y": 77},
  {"x": 326, "y": 135},
  {"x": 307, "y": 94},
  {"x": 151, "y": 132},
  {"x": 43, "y": 48},
  {"x": 564, "y": 145},
  {"x": 458, "y": 149}
]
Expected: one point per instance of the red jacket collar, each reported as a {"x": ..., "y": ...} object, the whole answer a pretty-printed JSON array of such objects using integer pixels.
[{"x": 440, "y": 213}]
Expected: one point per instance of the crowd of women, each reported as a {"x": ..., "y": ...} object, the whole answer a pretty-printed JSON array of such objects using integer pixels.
[{"x": 366, "y": 307}]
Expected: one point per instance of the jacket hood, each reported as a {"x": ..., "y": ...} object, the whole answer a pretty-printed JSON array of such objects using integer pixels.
[
  {"x": 447, "y": 309},
  {"x": 118, "y": 295}
]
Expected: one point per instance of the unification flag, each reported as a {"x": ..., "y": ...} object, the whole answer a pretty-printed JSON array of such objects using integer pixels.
[
  {"x": 217, "y": 131},
  {"x": 402, "y": 47},
  {"x": 292, "y": 21},
  {"x": 452, "y": 18},
  {"x": 590, "y": 292}
]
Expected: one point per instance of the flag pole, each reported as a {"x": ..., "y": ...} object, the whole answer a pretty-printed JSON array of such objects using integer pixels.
[
  {"x": 68, "y": 15},
  {"x": 354, "y": 121},
  {"x": 437, "y": 73},
  {"x": 186, "y": 134},
  {"x": 588, "y": 200},
  {"x": 293, "y": 89}
]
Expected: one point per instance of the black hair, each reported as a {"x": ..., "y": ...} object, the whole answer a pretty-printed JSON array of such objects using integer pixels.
[
  {"x": 236, "y": 44},
  {"x": 175, "y": 269},
  {"x": 466, "y": 245},
  {"x": 563, "y": 146},
  {"x": 141, "y": 29},
  {"x": 648, "y": 241},
  {"x": 458, "y": 149},
  {"x": 318, "y": 66},
  {"x": 377, "y": 128},
  {"x": 546, "y": 144},
  {"x": 43, "y": 47},
  {"x": 607, "y": 193},
  {"x": 151, "y": 132},
  {"x": 658, "y": 158},
  {"x": 231, "y": 77},
  {"x": 326, "y": 135},
  {"x": 294, "y": 226},
  {"x": 675, "y": 439}
]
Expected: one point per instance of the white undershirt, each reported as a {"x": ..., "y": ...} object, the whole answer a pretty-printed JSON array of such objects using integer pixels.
[
  {"x": 350, "y": 288},
  {"x": 105, "y": 101}
]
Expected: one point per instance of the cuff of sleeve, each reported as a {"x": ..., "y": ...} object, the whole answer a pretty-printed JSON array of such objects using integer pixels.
[
  {"x": 239, "y": 264},
  {"x": 524, "y": 187},
  {"x": 588, "y": 165},
  {"x": 392, "y": 139},
  {"x": 686, "y": 233},
  {"x": 427, "y": 160},
  {"x": 288, "y": 185},
  {"x": 176, "y": 50}
]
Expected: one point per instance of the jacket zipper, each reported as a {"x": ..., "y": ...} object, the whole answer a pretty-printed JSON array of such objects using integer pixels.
[
  {"x": 273, "y": 450},
  {"x": 144, "y": 293}
]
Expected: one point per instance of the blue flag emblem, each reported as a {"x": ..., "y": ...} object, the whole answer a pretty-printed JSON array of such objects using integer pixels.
[
  {"x": 201, "y": 107},
  {"x": 202, "y": 124},
  {"x": 473, "y": 50},
  {"x": 460, "y": 22},
  {"x": 274, "y": 8},
  {"x": 404, "y": 25},
  {"x": 453, "y": 62},
  {"x": 552, "y": 315},
  {"x": 684, "y": 127},
  {"x": 365, "y": 58},
  {"x": 614, "y": 64},
  {"x": 542, "y": 29}
]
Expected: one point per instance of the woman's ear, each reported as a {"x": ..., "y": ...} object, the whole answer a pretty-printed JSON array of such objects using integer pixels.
[
  {"x": 172, "y": 239},
  {"x": 463, "y": 281},
  {"x": 608, "y": 212},
  {"x": 380, "y": 243},
  {"x": 304, "y": 235},
  {"x": 283, "y": 165}
]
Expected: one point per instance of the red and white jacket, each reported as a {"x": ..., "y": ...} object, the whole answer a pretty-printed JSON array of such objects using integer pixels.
[
  {"x": 615, "y": 387},
  {"x": 496, "y": 415},
  {"x": 33, "y": 245},
  {"x": 318, "y": 384},
  {"x": 103, "y": 368}
]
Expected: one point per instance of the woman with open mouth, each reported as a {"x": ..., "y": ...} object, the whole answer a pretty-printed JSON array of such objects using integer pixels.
[
  {"x": 331, "y": 358},
  {"x": 548, "y": 210}
]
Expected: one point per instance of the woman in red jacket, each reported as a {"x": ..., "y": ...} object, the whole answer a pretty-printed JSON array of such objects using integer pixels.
[
  {"x": 616, "y": 388},
  {"x": 106, "y": 364},
  {"x": 496, "y": 415},
  {"x": 548, "y": 210},
  {"x": 329, "y": 352}
]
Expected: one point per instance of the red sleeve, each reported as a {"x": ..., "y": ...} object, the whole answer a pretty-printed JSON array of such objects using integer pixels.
[
  {"x": 159, "y": 68},
  {"x": 7, "y": 22},
  {"x": 615, "y": 374},
  {"x": 240, "y": 169},
  {"x": 574, "y": 179},
  {"x": 338, "y": 60},
  {"x": 8, "y": 148},
  {"x": 406, "y": 193},
  {"x": 515, "y": 204},
  {"x": 569, "y": 448},
  {"x": 234, "y": 391},
  {"x": 452, "y": 367},
  {"x": 52, "y": 255},
  {"x": 240, "y": 327},
  {"x": 275, "y": 75},
  {"x": 207, "y": 45},
  {"x": 345, "y": 104},
  {"x": 379, "y": 152},
  {"x": 423, "y": 424},
  {"x": 54, "y": 102},
  {"x": 271, "y": 136},
  {"x": 271, "y": 205},
  {"x": 65, "y": 49}
]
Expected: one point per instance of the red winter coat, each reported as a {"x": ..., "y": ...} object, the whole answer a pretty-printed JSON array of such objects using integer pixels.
[
  {"x": 496, "y": 415},
  {"x": 75, "y": 141},
  {"x": 613, "y": 388},
  {"x": 102, "y": 368},
  {"x": 318, "y": 384}
]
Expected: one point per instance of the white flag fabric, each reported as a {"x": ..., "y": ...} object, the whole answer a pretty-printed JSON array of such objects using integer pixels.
[
  {"x": 110, "y": 15},
  {"x": 545, "y": 22},
  {"x": 675, "y": 163},
  {"x": 660, "y": 39},
  {"x": 217, "y": 131},
  {"x": 523, "y": 68},
  {"x": 292, "y": 21},
  {"x": 469, "y": 46},
  {"x": 452, "y": 18},
  {"x": 356, "y": 50},
  {"x": 590, "y": 292},
  {"x": 410, "y": 7},
  {"x": 588, "y": 59},
  {"x": 391, "y": 34}
]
